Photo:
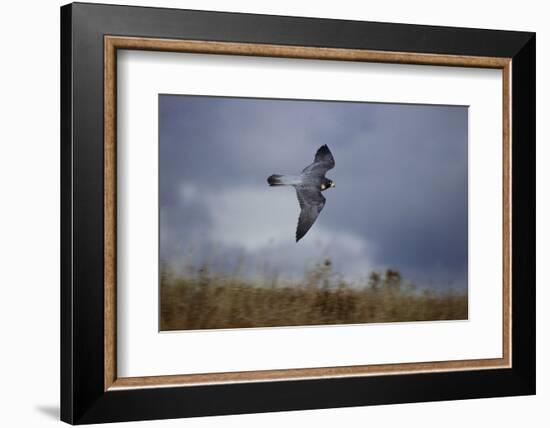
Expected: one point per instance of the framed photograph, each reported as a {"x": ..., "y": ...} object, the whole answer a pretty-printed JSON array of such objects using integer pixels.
[{"x": 266, "y": 213}]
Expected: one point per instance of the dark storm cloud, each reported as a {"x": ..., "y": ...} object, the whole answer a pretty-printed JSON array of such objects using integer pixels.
[{"x": 400, "y": 200}]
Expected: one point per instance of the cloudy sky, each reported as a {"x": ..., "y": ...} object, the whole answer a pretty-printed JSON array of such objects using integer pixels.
[{"x": 400, "y": 199}]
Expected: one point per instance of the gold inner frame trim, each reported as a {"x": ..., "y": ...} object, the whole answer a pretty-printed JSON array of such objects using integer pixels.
[{"x": 113, "y": 43}]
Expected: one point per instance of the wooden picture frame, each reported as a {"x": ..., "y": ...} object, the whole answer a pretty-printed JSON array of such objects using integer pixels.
[{"x": 91, "y": 390}]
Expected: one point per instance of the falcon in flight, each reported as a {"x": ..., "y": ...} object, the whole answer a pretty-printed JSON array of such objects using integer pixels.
[{"x": 309, "y": 185}]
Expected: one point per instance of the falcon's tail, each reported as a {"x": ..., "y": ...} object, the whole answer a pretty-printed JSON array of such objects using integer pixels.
[{"x": 283, "y": 180}]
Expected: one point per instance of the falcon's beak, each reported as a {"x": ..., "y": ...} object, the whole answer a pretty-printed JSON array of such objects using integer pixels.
[{"x": 333, "y": 184}]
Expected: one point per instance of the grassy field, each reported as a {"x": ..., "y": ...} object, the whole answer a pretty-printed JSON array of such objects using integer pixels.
[{"x": 203, "y": 300}]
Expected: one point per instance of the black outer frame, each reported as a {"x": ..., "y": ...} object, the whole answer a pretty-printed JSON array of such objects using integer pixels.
[{"x": 83, "y": 399}]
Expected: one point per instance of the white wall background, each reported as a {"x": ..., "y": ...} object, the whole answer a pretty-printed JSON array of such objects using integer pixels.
[{"x": 29, "y": 218}]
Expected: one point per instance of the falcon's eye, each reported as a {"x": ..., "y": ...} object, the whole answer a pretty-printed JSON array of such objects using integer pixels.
[{"x": 322, "y": 187}]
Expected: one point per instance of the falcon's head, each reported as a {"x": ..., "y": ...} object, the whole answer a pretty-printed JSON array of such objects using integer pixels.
[{"x": 327, "y": 184}]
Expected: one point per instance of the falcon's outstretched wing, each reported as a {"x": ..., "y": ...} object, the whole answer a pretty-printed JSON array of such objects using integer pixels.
[
  {"x": 311, "y": 203},
  {"x": 322, "y": 162}
]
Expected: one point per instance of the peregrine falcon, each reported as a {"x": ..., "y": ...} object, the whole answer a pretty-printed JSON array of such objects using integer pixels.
[{"x": 309, "y": 185}]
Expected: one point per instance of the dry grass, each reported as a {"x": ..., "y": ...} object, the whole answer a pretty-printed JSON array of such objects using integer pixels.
[{"x": 207, "y": 301}]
